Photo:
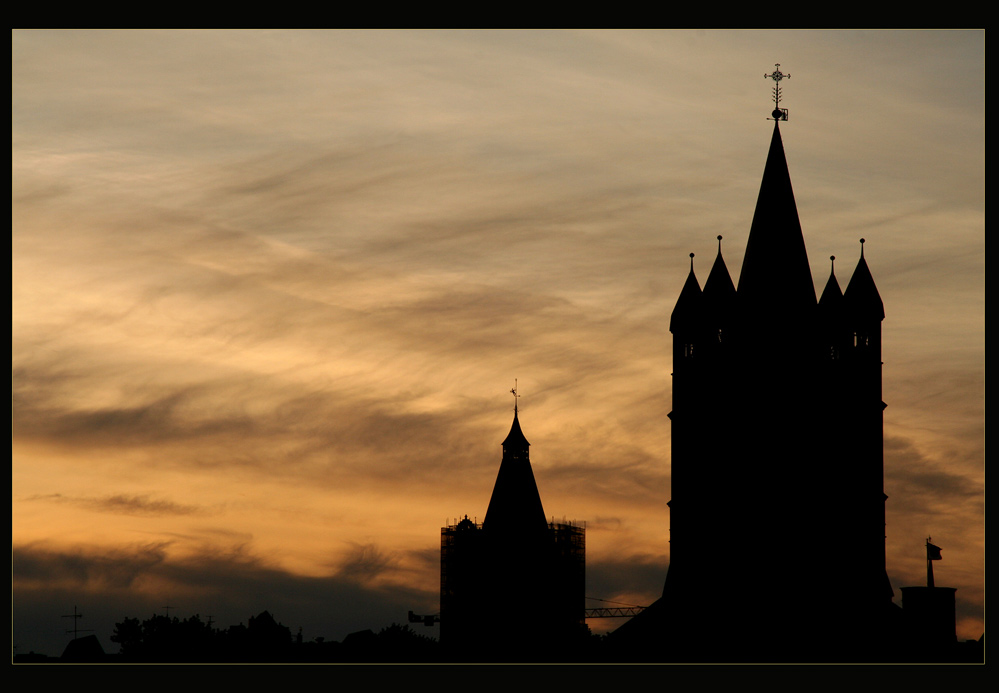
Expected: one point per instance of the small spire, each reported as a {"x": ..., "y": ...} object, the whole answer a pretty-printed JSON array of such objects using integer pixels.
[
  {"x": 515, "y": 439},
  {"x": 719, "y": 289},
  {"x": 685, "y": 311},
  {"x": 515, "y": 505},
  {"x": 832, "y": 294},
  {"x": 862, "y": 293}
]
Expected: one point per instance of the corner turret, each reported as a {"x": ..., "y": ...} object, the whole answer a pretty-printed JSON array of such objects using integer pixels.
[
  {"x": 718, "y": 300},
  {"x": 862, "y": 297}
]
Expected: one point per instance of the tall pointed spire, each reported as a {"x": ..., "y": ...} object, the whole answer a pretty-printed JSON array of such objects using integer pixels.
[
  {"x": 775, "y": 270},
  {"x": 515, "y": 505}
]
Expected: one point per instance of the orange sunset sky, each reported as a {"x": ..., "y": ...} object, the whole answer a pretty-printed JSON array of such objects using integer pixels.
[{"x": 271, "y": 289}]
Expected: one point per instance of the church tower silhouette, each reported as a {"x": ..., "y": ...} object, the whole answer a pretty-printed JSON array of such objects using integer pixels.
[
  {"x": 777, "y": 509},
  {"x": 512, "y": 588}
]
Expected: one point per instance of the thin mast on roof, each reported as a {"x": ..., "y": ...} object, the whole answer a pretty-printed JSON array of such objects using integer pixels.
[
  {"x": 932, "y": 554},
  {"x": 778, "y": 112},
  {"x": 515, "y": 396}
]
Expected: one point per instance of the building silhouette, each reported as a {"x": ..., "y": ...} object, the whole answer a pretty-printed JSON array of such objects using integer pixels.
[
  {"x": 513, "y": 586},
  {"x": 777, "y": 509},
  {"x": 928, "y": 613}
]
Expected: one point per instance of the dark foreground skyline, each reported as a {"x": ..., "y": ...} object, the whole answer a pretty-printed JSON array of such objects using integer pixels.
[{"x": 270, "y": 288}]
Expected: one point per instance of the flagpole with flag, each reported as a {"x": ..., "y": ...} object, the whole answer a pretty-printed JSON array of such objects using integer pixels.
[{"x": 932, "y": 554}]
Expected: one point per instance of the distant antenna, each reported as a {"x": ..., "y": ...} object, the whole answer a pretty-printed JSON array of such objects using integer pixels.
[
  {"x": 75, "y": 616},
  {"x": 515, "y": 395},
  {"x": 778, "y": 112}
]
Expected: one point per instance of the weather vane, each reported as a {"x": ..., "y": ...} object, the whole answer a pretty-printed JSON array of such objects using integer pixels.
[
  {"x": 515, "y": 395},
  {"x": 778, "y": 112}
]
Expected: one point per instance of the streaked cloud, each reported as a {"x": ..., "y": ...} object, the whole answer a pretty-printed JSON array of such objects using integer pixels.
[
  {"x": 125, "y": 505},
  {"x": 269, "y": 290}
]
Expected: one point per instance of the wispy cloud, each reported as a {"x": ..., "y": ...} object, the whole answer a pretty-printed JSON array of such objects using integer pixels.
[
  {"x": 290, "y": 276},
  {"x": 125, "y": 505}
]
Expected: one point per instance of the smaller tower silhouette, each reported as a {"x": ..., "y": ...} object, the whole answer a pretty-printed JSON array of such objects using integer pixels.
[
  {"x": 512, "y": 586},
  {"x": 929, "y": 613}
]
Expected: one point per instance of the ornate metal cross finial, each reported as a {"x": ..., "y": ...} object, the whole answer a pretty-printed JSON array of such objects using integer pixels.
[{"x": 778, "y": 112}]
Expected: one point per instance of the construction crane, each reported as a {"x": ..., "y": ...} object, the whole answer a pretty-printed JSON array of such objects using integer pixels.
[{"x": 613, "y": 611}]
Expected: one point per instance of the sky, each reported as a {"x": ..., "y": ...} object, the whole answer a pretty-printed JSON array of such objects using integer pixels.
[{"x": 271, "y": 289}]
